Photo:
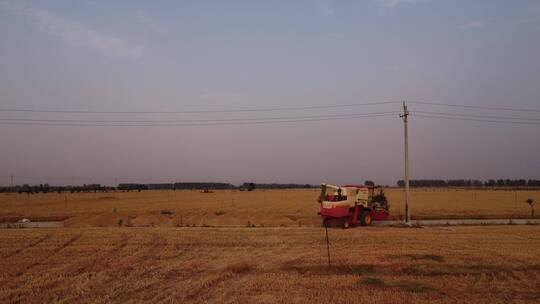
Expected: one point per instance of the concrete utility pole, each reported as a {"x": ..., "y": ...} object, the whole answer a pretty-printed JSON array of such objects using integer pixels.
[
  {"x": 11, "y": 183},
  {"x": 405, "y": 115}
]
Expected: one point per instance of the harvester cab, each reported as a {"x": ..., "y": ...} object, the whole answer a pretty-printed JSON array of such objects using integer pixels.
[{"x": 351, "y": 205}]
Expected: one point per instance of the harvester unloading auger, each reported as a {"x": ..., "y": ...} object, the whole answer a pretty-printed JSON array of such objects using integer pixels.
[{"x": 351, "y": 205}]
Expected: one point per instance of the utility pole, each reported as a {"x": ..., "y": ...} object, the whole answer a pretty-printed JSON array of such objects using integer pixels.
[
  {"x": 405, "y": 116},
  {"x": 11, "y": 183}
]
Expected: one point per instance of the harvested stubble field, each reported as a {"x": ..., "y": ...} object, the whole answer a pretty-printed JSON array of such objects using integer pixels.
[
  {"x": 289, "y": 208},
  {"x": 495, "y": 264}
]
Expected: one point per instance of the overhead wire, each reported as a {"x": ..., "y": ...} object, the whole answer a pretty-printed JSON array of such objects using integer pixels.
[
  {"x": 478, "y": 116},
  {"x": 472, "y": 106},
  {"x": 195, "y": 120},
  {"x": 271, "y": 109},
  {"x": 265, "y": 120},
  {"x": 238, "y": 122},
  {"x": 476, "y": 119},
  {"x": 204, "y": 111}
]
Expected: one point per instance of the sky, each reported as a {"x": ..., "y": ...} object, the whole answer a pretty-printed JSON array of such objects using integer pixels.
[{"x": 176, "y": 56}]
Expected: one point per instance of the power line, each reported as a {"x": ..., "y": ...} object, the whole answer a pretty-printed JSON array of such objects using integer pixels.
[
  {"x": 479, "y": 120},
  {"x": 474, "y": 107},
  {"x": 260, "y": 120},
  {"x": 195, "y": 120},
  {"x": 479, "y": 116},
  {"x": 263, "y": 120},
  {"x": 272, "y": 108},
  {"x": 204, "y": 111},
  {"x": 191, "y": 124}
]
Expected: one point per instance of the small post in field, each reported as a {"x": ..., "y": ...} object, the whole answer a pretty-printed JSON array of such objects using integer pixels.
[
  {"x": 530, "y": 201},
  {"x": 327, "y": 244}
]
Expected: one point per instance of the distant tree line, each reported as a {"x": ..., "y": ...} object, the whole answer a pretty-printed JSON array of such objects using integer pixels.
[
  {"x": 46, "y": 188},
  {"x": 176, "y": 186},
  {"x": 418, "y": 183},
  {"x": 422, "y": 183},
  {"x": 210, "y": 186},
  {"x": 283, "y": 186}
]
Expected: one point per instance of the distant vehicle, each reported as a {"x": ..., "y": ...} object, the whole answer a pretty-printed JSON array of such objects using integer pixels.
[
  {"x": 24, "y": 220},
  {"x": 247, "y": 187},
  {"x": 352, "y": 205}
]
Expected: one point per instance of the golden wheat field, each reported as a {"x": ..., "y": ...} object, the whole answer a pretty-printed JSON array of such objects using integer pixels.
[
  {"x": 494, "y": 264},
  {"x": 263, "y": 247},
  {"x": 241, "y": 208}
]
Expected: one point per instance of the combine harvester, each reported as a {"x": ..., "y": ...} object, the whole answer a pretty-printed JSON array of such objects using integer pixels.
[{"x": 351, "y": 205}]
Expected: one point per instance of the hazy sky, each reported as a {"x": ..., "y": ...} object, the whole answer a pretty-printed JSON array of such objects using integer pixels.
[{"x": 220, "y": 55}]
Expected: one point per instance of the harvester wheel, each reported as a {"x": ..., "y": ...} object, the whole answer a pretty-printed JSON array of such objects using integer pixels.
[
  {"x": 365, "y": 218},
  {"x": 346, "y": 224}
]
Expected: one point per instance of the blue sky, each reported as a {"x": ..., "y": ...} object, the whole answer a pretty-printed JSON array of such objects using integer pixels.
[{"x": 177, "y": 55}]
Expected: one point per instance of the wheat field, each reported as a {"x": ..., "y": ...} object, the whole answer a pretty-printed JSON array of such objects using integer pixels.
[
  {"x": 290, "y": 208},
  {"x": 495, "y": 264},
  {"x": 263, "y": 247}
]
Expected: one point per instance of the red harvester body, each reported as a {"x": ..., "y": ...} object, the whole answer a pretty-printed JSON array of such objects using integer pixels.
[{"x": 351, "y": 205}]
